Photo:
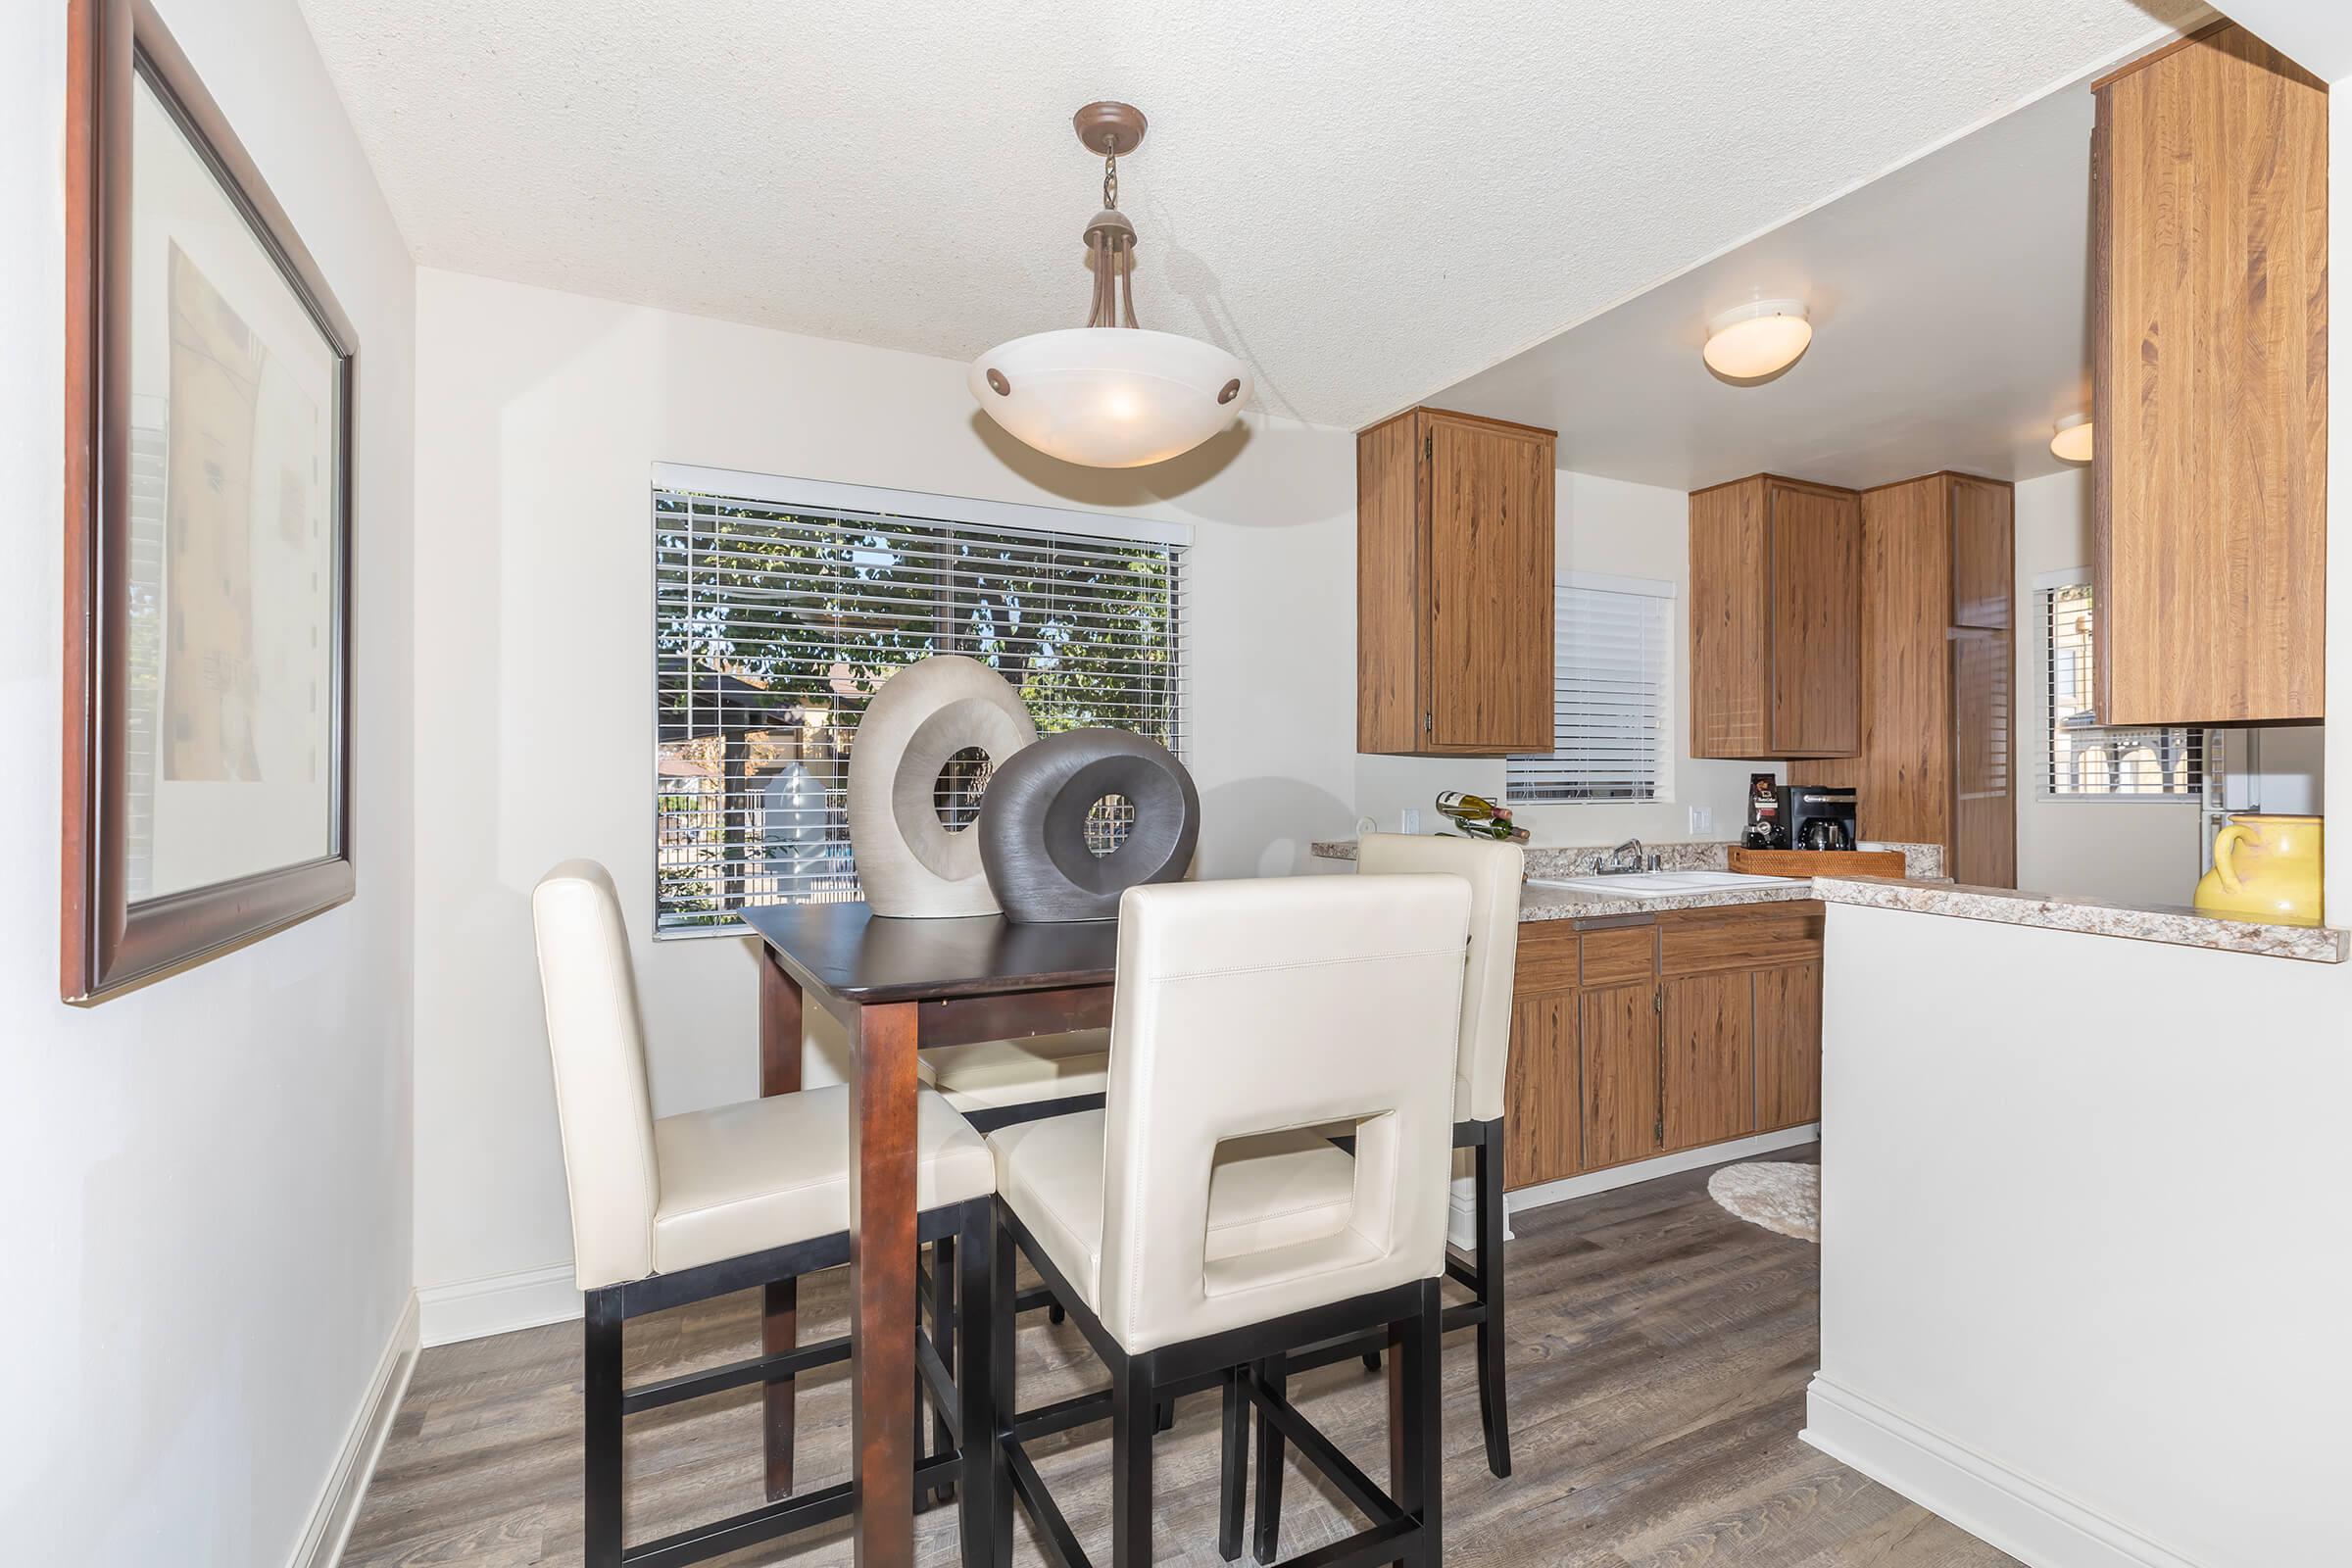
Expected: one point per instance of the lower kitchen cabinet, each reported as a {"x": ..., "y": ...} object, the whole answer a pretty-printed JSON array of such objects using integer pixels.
[
  {"x": 1540, "y": 1141},
  {"x": 1634, "y": 1040},
  {"x": 1787, "y": 1046},
  {"x": 1622, "y": 1078},
  {"x": 1707, "y": 1027}
]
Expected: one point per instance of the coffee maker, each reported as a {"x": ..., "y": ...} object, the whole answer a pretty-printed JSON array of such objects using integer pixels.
[{"x": 1815, "y": 816}]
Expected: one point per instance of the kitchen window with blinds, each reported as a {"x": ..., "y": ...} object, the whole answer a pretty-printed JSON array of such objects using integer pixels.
[
  {"x": 1611, "y": 681},
  {"x": 2087, "y": 760},
  {"x": 780, "y": 606}
]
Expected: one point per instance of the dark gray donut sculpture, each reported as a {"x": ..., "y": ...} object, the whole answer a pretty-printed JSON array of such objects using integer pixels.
[{"x": 1033, "y": 824}]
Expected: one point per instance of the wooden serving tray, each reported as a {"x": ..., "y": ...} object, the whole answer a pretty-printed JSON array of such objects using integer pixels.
[{"x": 1816, "y": 862}]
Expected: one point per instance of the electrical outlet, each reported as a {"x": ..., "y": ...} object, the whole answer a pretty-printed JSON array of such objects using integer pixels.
[
  {"x": 1702, "y": 820},
  {"x": 1412, "y": 819}
]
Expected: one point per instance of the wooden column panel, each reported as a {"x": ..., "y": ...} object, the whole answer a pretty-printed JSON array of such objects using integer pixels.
[
  {"x": 2209, "y": 370},
  {"x": 1542, "y": 1139},
  {"x": 1706, "y": 1037},
  {"x": 1622, "y": 1081},
  {"x": 1787, "y": 1046}
]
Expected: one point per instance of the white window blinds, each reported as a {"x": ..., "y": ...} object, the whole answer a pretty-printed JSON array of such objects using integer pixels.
[
  {"x": 1611, "y": 697},
  {"x": 774, "y": 624},
  {"x": 2089, "y": 759}
]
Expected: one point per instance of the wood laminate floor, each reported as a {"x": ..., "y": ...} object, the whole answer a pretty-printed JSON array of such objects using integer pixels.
[{"x": 1659, "y": 1351}]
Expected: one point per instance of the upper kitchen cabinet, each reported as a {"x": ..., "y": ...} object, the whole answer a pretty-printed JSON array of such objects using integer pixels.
[
  {"x": 1775, "y": 619},
  {"x": 1937, "y": 662},
  {"x": 1454, "y": 551},
  {"x": 2210, "y": 391}
]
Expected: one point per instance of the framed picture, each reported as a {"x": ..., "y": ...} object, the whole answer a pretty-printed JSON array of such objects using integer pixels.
[{"x": 209, "y": 372}]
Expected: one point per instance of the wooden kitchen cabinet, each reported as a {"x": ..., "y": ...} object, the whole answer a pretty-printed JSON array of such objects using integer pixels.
[
  {"x": 1707, "y": 1083},
  {"x": 1938, "y": 562},
  {"x": 2209, "y": 385},
  {"x": 1787, "y": 1046},
  {"x": 1775, "y": 619},
  {"x": 1541, "y": 1141},
  {"x": 1623, "y": 1105},
  {"x": 1634, "y": 1039},
  {"x": 1454, "y": 528}
]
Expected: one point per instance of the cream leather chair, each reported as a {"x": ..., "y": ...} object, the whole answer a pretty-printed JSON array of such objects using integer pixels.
[
  {"x": 675, "y": 1209},
  {"x": 1496, "y": 873},
  {"x": 1201, "y": 1224}
]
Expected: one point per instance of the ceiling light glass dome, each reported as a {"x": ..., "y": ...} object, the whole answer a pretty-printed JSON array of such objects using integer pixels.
[{"x": 1108, "y": 394}]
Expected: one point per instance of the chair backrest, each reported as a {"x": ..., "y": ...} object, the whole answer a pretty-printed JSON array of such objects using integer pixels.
[
  {"x": 1495, "y": 872},
  {"x": 1255, "y": 1007},
  {"x": 598, "y": 1043}
]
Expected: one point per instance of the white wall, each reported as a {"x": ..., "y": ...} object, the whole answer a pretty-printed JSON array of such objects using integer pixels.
[
  {"x": 540, "y": 414},
  {"x": 2081, "y": 1272},
  {"x": 1621, "y": 529},
  {"x": 207, "y": 1215},
  {"x": 2133, "y": 851}
]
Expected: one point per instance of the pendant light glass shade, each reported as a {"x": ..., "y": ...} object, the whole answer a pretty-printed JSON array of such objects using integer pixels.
[
  {"x": 1111, "y": 397},
  {"x": 1108, "y": 394}
]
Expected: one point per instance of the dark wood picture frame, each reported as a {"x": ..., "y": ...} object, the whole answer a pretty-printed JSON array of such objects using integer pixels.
[{"x": 110, "y": 942}]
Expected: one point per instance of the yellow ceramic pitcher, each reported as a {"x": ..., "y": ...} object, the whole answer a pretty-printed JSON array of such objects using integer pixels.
[{"x": 2265, "y": 867}]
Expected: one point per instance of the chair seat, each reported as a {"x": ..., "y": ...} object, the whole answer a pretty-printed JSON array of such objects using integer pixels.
[
  {"x": 761, "y": 1173},
  {"x": 1267, "y": 1195},
  {"x": 997, "y": 1073}
]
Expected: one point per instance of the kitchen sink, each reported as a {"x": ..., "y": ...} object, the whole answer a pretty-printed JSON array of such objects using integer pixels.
[{"x": 1641, "y": 884}]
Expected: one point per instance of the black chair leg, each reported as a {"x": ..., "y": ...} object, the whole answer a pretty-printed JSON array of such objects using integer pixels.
[
  {"x": 1268, "y": 1529},
  {"x": 1131, "y": 1424},
  {"x": 1494, "y": 1408},
  {"x": 1055, "y": 1313},
  {"x": 1163, "y": 1414},
  {"x": 983, "y": 1285},
  {"x": 943, "y": 1308},
  {"x": 1418, "y": 1484},
  {"x": 1233, "y": 1482},
  {"x": 601, "y": 1355},
  {"x": 1371, "y": 1360}
]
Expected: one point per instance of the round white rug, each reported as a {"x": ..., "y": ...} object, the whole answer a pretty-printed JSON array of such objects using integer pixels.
[{"x": 1779, "y": 1194}]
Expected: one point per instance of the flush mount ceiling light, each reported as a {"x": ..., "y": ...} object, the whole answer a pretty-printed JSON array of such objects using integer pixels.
[
  {"x": 2073, "y": 440},
  {"x": 1757, "y": 340},
  {"x": 1109, "y": 394}
]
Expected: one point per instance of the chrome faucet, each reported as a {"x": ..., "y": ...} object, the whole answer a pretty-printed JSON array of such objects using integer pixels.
[{"x": 1623, "y": 860}]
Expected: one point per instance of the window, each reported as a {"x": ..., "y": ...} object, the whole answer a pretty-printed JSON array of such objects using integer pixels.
[
  {"x": 779, "y": 606},
  {"x": 1609, "y": 703},
  {"x": 2087, "y": 759}
]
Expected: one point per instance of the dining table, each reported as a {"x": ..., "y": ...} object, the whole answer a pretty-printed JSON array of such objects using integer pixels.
[{"x": 897, "y": 985}]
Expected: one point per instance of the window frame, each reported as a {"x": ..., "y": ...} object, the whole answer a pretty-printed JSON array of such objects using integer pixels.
[
  {"x": 2046, "y": 586},
  {"x": 788, "y": 494},
  {"x": 1668, "y": 595}
]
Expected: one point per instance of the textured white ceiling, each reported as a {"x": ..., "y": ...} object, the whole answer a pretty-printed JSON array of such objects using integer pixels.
[{"x": 1367, "y": 201}]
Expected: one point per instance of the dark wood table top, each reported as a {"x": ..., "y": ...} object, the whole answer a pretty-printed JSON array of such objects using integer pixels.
[{"x": 853, "y": 953}]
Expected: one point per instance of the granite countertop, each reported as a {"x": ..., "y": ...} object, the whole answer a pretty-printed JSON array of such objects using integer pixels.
[
  {"x": 2183, "y": 927},
  {"x": 1922, "y": 892}
]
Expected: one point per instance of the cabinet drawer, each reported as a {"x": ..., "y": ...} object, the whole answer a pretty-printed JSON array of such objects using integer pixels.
[
  {"x": 1748, "y": 937},
  {"x": 1546, "y": 956},
  {"x": 1614, "y": 957}
]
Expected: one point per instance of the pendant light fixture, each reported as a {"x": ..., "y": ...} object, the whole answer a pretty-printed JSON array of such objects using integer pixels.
[{"x": 1111, "y": 394}]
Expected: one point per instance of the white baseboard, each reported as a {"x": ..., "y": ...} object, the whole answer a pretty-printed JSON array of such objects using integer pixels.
[
  {"x": 471, "y": 1309},
  {"x": 1643, "y": 1170},
  {"x": 322, "y": 1540},
  {"x": 1987, "y": 1499}
]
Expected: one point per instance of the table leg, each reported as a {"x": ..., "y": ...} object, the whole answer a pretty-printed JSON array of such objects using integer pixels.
[
  {"x": 779, "y": 1322},
  {"x": 882, "y": 1262}
]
